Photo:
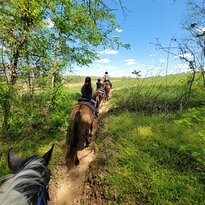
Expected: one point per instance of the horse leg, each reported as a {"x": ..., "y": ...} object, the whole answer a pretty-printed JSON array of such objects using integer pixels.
[
  {"x": 87, "y": 134},
  {"x": 91, "y": 130}
]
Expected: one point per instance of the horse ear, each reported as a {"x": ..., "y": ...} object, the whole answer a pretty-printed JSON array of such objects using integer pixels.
[
  {"x": 47, "y": 155},
  {"x": 14, "y": 161}
]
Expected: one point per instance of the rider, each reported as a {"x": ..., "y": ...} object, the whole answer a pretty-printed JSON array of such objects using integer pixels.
[
  {"x": 107, "y": 78},
  {"x": 98, "y": 84},
  {"x": 87, "y": 91}
]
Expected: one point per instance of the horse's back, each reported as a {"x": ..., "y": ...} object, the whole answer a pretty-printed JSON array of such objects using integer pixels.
[
  {"x": 98, "y": 93},
  {"x": 86, "y": 111}
]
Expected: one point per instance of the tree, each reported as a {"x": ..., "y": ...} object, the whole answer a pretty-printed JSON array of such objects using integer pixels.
[
  {"x": 191, "y": 48},
  {"x": 42, "y": 38},
  {"x": 81, "y": 27},
  {"x": 194, "y": 24}
]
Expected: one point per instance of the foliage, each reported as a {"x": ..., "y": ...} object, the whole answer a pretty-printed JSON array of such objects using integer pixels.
[
  {"x": 40, "y": 39},
  {"x": 30, "y": 31},
  {"x": 33, "y": 127},
  {"x": 136, "y": 73},
  {"x": 194, "y": 117}
]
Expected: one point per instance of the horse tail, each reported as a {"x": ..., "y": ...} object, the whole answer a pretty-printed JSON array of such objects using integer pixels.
[{"x": 75, "y": 135}]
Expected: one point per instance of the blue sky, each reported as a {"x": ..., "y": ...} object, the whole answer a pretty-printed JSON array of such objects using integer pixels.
[{"x": 147, "y": 20}]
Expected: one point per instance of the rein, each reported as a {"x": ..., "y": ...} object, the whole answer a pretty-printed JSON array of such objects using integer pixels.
[{"x": 43, "y": 196}]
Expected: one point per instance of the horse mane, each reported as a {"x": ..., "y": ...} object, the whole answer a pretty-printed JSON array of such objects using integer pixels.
[{"x": 11, "y": 190}]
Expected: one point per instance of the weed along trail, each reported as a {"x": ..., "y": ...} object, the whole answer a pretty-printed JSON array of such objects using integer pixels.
[{"x": 66, "y": 187}]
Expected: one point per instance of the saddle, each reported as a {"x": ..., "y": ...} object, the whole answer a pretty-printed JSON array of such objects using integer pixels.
[
  {"x": 101, "y": 90},
  {"x": 84, "y": 101}
]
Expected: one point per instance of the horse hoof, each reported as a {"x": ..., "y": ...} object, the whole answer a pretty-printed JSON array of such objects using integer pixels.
[{"x": 77, "y": 162}]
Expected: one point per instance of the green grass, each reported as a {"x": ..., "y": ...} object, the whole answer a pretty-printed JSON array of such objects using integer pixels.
[
  {"x": 80, "y": 79},
  {"x": 150, "y": 160},
  {"x": 149, "y": 154}
]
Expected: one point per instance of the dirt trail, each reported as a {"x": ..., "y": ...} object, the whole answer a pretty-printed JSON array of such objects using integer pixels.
[{"x": 68, "y": 187}]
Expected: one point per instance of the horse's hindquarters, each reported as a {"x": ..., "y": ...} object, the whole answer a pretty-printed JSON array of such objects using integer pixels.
[
  {"x": 107, "y": 89},
  {"x": 81, "y": 120}
]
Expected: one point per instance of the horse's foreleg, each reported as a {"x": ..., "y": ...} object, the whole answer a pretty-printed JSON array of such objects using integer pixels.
[
  {"x": 91, "y": 130},
  {"x": 87, "y": 134}
]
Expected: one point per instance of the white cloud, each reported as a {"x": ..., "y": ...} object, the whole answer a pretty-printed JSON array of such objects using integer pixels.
[
  {"x": 103, "y": 60},
  {"x": 151, "y": 55},
  {"x": 108, "y": 52},
  {"x": 49, "y": 23},
  {"x": 99, "y": 65},
  {"x": 201, "y": 29},
  {"x": 130, "y": 61},
  {"x": 183, "y": 66},
  {"x": 162, "y": 60},
  {"x": 118, "y": 30},
  {"x": 154, "y": 71},
  {"x": 185, "y": 55}
]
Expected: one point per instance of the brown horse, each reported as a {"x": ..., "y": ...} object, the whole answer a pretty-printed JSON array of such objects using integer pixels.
[
  {"x": 98, "y": 97},
  {"x": 107, "y": 90},
  {"x": 81, "y": 122}
]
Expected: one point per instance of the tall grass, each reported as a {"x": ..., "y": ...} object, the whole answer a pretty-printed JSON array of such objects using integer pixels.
[
  {"x": 150, "y": 150},
  {"x": 152, "y": 95}
]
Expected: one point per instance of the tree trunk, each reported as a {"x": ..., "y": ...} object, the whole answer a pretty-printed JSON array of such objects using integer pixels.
[
  {"x": 6, "y": 113},
  {"x": 54, "y": 72},
  {"x": 14, "y": 67}
]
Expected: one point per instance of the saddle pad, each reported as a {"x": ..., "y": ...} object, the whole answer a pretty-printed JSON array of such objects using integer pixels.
[
  {"x": 101, "y": 91},
  {"x": 90, "y": 105}
]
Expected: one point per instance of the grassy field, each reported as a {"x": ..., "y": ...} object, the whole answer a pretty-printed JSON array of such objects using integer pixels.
[
  {"x": 150, "y": 151},
  {"x": 152, "y": 157}
]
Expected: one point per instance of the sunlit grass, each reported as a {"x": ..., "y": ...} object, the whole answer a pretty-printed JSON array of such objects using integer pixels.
[{"x": 147, "y": 165}]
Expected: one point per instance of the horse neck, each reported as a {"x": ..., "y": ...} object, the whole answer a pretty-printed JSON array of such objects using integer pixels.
[{"x": 23, "y": 187}]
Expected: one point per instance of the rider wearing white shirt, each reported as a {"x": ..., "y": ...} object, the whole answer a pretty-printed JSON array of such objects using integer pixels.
[{"x": 107, "y": 78}]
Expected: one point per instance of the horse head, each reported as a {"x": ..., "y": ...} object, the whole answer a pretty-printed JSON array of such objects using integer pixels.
[{"x": 28, "y": 183}]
